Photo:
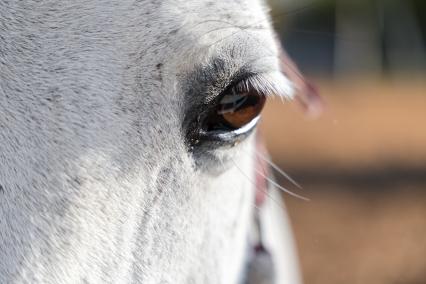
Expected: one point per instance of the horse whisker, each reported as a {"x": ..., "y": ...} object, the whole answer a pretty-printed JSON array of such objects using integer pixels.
[
  {"x": 283, "y": 189},
  {"x": 279, "y": 170},
  {"x": 254, "y": 184}
]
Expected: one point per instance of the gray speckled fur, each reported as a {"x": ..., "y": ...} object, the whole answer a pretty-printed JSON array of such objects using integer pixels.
[{"x": 97, "y": 184}]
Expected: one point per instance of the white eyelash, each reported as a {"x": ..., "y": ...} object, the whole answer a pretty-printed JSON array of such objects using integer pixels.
[{"x": 268, "y": 84}]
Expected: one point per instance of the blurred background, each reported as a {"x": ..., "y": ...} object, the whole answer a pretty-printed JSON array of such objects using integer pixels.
[{"x": 363, "y": 163}]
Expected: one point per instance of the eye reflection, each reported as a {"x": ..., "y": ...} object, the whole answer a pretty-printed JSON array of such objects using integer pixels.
[{"x": 235, "y": 110}]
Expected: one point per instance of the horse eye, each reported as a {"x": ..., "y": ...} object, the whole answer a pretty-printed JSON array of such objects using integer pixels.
[
  {"x": 234, "y": 111},
  {"x": 229, "y": 118}
]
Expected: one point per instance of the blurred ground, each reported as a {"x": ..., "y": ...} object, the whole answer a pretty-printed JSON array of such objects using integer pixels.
[
  {"x": 353, "y": 237},
  {"x": 363, "y": 165},
  {"x": 367, "y": 124}
]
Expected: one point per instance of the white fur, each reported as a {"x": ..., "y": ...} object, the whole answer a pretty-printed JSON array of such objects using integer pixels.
[{"x": 97, "y": 183}]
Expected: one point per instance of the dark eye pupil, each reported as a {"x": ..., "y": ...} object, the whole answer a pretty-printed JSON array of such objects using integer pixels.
[{"x": 235, "y": 110}]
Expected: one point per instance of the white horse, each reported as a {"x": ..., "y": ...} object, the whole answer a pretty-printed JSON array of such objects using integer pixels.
[{"x": 127, "y": 147}]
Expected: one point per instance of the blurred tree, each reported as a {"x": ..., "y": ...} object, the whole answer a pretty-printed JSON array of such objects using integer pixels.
[{"x": 331, "y": 37}]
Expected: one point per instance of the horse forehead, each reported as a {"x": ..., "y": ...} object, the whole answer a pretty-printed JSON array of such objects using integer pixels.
[{"x": 92, "y": 32}]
